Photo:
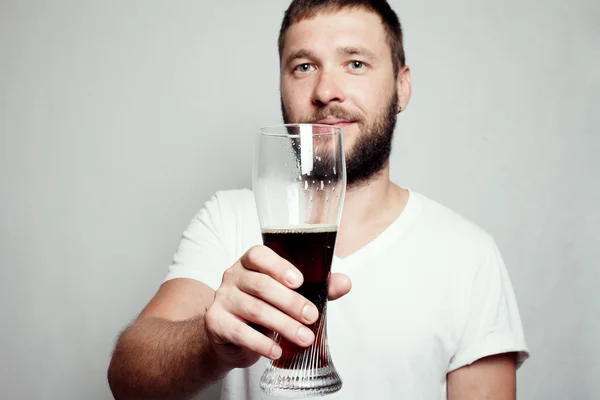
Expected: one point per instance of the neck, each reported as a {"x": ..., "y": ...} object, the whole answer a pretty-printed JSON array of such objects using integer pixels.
[
  {"x": 368, "y": 201},
  {"x": 369, "y": 209}
]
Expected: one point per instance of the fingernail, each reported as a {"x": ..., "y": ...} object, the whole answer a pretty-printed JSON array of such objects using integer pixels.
[
  {"x": 276, "y": 352},
  {"x": 310, "y": 313},
  {"x": 305, "y": 335},
  {"x": 291, "y": 277}
]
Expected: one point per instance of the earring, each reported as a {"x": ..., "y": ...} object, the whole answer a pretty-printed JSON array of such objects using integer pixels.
[{"x": 399, "y": 109}]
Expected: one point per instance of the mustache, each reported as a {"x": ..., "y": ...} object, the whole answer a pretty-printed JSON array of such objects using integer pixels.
[{"x": 332, "y": 111}]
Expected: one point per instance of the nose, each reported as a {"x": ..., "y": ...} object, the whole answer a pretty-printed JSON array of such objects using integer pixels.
[{"x": 327, "y": 90}]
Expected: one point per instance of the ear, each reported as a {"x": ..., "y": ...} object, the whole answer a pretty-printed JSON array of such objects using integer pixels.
[{"x": 404, "y": 87}]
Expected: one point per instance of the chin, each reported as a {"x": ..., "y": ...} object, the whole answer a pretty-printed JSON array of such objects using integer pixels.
[
  {"x": 350, "y": 134},
  {"x": 348, "y": 148}
]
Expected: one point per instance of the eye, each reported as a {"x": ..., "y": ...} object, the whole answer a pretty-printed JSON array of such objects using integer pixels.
[
  {"x": 303, "y": 68},
  {"x": 357, "y": 65}
]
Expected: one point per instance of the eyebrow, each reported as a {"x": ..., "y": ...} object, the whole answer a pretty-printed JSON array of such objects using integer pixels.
[
  {"x": 302, "y": 53},
  {"x": 345, "y": 51},
  {"x": 355, "y": 51}
]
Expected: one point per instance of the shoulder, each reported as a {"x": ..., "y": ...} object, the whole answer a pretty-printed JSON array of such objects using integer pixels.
[
  {"x": 234, "y": 203},
  {"x": 450, "y": 231},
  {"x": 234, "y": 197},
  {"x": 235, "y": 214},
  {"x": 235, "y": 207}
]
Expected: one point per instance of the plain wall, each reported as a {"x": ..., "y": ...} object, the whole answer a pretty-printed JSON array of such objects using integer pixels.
[{"x": 118, "y": 119}]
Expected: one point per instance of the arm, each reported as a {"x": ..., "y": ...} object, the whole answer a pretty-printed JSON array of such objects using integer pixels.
[
  {"x": 490, "y": 378},
  {"x": 491, "y": 343},
  {"x": 190, "y": 336},
  {"x": 165, "y": 353}
]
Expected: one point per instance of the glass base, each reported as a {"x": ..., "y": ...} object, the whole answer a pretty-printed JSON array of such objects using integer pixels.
[{"x": 300, "y": 383}]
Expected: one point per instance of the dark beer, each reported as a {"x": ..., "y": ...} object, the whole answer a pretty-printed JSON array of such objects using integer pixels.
[{"x": 310, "y": 249}]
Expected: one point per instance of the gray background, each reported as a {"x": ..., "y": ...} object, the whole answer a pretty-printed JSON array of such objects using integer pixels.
[{"x": 118, "y": 119}]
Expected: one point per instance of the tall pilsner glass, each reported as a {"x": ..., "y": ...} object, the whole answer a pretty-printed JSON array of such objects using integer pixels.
[{"x": 299, "y": 183}]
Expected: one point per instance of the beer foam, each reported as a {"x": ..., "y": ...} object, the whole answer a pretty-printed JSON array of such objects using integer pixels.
[{"x": 301, "y": 228}]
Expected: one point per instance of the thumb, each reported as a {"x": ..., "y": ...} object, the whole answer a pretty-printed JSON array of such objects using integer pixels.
[{"x": 339, "y": 285}]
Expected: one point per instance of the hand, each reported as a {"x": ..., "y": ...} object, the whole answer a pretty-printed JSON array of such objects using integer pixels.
[{"x": 259, "y": 289}]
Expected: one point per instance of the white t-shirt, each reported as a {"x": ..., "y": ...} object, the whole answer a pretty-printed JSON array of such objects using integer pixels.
[{"x": 429, "y": 295}]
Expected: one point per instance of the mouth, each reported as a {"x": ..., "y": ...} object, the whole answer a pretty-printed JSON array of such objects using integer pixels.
[{"x": 339, "y": 122}]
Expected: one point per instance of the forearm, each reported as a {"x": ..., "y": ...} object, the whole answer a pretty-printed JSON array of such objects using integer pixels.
[{"x": 159, "y": 359}]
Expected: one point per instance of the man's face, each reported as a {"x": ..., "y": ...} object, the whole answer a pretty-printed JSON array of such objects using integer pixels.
[{"x": 337, "y": 69}]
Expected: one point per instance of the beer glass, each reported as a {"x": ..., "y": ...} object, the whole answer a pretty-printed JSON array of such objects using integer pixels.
[{"x": 299, "y": 182}]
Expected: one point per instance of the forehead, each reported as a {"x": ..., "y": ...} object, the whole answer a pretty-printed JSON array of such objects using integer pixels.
[{"x": 334, "y": 29}]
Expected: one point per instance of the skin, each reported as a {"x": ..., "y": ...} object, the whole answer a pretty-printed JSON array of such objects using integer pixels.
[
  {"x": 337, "y": 60},
  {"x": 319, "y": 71}
]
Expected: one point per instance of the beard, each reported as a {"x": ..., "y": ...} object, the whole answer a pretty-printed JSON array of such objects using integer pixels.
[{"x": 372, "y": 147}]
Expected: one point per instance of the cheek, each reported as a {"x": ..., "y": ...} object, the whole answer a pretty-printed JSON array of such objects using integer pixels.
[
  {"x": 296, "y": 99},
  {"x": 360, "y": 94},
  {"x": 370, "y": 95}
]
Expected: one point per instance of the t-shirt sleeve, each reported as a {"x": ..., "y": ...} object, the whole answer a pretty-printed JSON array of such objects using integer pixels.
[
  {"x": 493, "y": 324},
  {"x": 201, "y": 254}
]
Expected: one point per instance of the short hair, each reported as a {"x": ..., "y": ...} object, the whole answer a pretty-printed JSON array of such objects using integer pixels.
[{"x": 305, "y": 9}]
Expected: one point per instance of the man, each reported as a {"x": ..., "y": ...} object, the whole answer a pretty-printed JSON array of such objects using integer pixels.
[{"x": 431, "y": 313}]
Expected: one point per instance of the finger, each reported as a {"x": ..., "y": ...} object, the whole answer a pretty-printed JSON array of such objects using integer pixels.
[
  {"x": 267, "y": 332},
  {"x": 339, "y": 285},
  {"x": 263, "y": 259},
  {"x": 254, "y": 310},
  {"x": 240, "y": 334},
  {"x": 288, "y": 301}
]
